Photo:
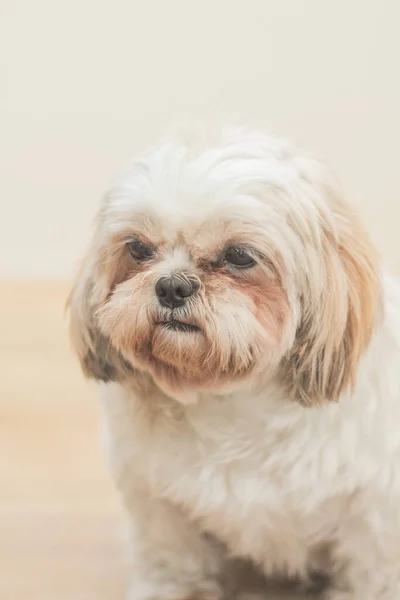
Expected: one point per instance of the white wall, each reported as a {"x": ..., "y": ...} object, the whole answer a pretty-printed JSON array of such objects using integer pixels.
[{"x": 87, "y": 83}]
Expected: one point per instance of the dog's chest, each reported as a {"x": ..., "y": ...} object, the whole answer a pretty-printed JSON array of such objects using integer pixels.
[{"x": 232, "y": 471}]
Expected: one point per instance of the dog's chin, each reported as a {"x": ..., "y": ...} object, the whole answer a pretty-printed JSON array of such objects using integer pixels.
[
  {"x": 183, "y": 364},
  {"x": 177, "y": 348}
]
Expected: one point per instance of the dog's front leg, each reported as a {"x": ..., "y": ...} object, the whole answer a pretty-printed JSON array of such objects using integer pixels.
[
  {"x": 171, "y": 559},
  {"x": 367, "y": 554}
]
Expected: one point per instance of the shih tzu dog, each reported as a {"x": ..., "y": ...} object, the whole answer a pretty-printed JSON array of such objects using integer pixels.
[{"x": 249, "y": 345}]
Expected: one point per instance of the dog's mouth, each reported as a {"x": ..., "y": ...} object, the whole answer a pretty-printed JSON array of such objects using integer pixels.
[{"x": 178, "y": 326}]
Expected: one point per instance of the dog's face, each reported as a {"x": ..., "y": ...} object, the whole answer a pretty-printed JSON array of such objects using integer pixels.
[
  {"x": 226, "y": 262},
  {"x": 197, "y": 301}
]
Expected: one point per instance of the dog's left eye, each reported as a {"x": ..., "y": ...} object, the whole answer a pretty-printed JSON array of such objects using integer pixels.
[
  {"x": 239, "y": 257},
  {"x": 139, "y": 250}
]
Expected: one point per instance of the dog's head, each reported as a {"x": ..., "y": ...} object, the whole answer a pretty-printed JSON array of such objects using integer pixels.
[{"x": 213, "y": 263}]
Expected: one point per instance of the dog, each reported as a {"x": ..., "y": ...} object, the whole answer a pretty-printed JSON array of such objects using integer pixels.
[{"x": 248, "y": 343}]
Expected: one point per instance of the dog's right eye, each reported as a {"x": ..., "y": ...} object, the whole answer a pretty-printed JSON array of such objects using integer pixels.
[
  {"x": 139, "y": 250},
  {"x": 239, "y": 257}
]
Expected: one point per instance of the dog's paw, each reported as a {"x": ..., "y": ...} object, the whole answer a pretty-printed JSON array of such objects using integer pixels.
[
  {"x": 205, "y": 591},
  {"x": 339, "y": 595},
  {"x": 169, "y": 590}
]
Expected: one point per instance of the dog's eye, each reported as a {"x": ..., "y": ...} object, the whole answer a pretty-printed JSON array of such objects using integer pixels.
[
  {"x": 239, "y": 257},
  {"x": 139, "y": 250}
]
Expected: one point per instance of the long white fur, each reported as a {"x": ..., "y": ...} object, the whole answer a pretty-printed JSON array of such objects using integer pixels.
[{"x": 270, "y": 479}]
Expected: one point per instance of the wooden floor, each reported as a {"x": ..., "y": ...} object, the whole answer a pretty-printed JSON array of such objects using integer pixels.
[{"x": 60, "y": 523}]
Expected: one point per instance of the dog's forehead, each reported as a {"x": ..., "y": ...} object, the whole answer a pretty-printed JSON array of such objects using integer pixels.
[
  {"x": 200, "y": 198},
  {"x": 203, "y": 220},
  {"x": 187, "y": 214}
]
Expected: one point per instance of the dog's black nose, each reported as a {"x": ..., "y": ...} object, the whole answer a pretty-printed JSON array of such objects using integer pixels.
[{"x": 172, "y": 292}]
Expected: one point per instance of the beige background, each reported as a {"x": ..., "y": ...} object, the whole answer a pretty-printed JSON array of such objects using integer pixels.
[{"x": 88, "y": 83}]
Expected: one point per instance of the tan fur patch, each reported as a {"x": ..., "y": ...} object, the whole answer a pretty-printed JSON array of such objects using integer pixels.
[{"x": 336, "y": 328}]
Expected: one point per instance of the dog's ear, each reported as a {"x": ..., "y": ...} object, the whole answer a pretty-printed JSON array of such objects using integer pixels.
[
  {"x": 97, "y": 357},
  {"x": 336, "y": 323}
]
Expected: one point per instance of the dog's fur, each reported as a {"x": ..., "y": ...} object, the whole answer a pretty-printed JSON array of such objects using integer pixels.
[{"x": 273, "y": 431}]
